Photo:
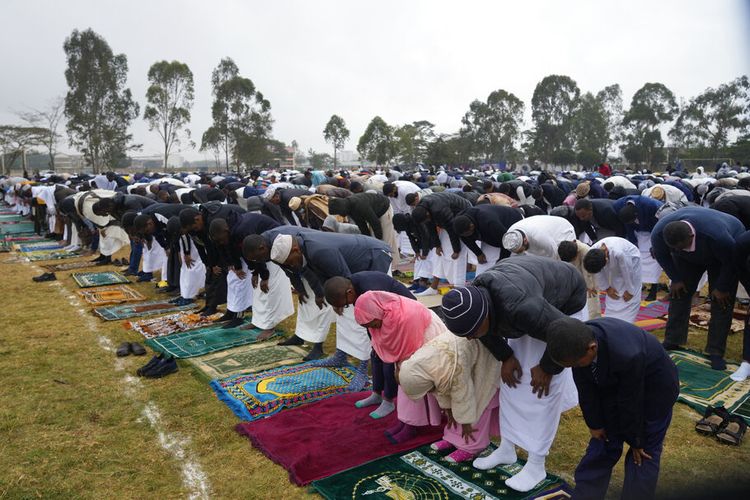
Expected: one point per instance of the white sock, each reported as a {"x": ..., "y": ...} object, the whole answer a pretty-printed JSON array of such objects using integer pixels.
[
  {"x": 504, "y": 454},
  {"x": 532, "y": 474},
  {"x": 742, "y": 372}
]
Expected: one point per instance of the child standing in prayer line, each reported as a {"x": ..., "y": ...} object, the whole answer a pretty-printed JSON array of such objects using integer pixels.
[
  {"x": 464, "y": 377},
  {"x": 627, "y": 386}
]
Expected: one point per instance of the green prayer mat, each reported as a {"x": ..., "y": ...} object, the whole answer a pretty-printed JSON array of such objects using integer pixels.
[
  {"x": 204, "y": 340},
  {"x": 247, "y": 359},
  {"x": 37, "y": 255},
  {"x": 701, "y": 387},
  {"x": 17, "y": 229},
  {"x": 423, "y": 473},
  {"x": 10, "y": 218},
  {"x": 141, "y": 309},
  {"x": 86, "y": 280},
  {"x": 68, "y": 266}
]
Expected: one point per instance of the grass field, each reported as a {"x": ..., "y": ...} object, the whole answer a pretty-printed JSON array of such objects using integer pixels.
[{"x": 76, "y": 423}]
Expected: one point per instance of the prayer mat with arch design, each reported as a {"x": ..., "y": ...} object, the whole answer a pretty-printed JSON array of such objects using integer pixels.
[
  {"x": 141, "y": 309},
  {"x": 110, "y": 295},
  {"x": 88, "y": 280}
]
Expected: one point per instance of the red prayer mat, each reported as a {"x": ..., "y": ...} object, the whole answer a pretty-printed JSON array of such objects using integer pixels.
[{"x": 317, "y": 440}]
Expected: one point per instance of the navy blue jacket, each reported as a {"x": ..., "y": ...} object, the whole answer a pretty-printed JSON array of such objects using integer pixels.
[
  {"x": 368, "y": 281},
  {"x": 635, "y": 381},
  {"x": 738, "y": 206},
  {"x": 605, "y": 216},
  {"x": 646, "y": 209},
  {"x": 491, "y": 222},
  {"x": 714, "y": 245},
  {"x": 247, "y": 224},
  {"x": 443, "y": 207}
]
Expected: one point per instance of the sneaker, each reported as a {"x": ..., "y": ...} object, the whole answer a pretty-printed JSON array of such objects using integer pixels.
[
  {"x": 44, "y": 277},
  {"x": 162, "y": 284},
  {"x": 162, "y": 368},
  {"x": 144, "y": 278},
  {"x": 668, "y": 346},
  {"x": 430, "y": 291},
  {"x": 419, "y": 289},
  {"x": 148, "y": 366}
]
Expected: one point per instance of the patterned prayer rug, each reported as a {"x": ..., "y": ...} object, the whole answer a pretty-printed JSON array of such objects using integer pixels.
[
  {"x": 87, "y": 280},
  {"x": 258, "y": 395},
  {"x": 329, "y": 437},
  {"x": 110, "y": 295},
  {"x": 68, "y": 266},
  {"x": 141, "y": 309},
  {"x": 171, "y": 323},
  {"x": 204, "y": 340},
  {"x": 423, "y": 473},
  {"x": 700, "y": 316},
  {"x": 247, "y": 359},
  {"x": 26, "y": 239},
  {"x": 38, "y": 255},
  {"x": 700, "y": 386}
]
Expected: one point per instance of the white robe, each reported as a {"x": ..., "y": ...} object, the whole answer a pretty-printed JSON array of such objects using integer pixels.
[
  {"x": 239, "y": 291},
  {"x": 154, "y": 258},
  {"x": 270, "y": 309},
  {"x": 313, "y": 323},
  {"x": 453, "y": 270},
  {"x": 492, "y": 254},
  {"x": 351, "y": 337},
  {"x": 525, "y": 419},
  {"x": 623, "y": 273},
  {"x": 650, "y": 269},
  {"x": 192, "y": 278},
  {"x": 544, "y": 234}
]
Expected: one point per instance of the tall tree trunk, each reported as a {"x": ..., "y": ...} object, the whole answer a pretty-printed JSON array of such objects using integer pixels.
[{"x": 334, "y": 158}]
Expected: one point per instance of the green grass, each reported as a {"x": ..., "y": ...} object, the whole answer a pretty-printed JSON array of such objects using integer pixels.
[{"x": 72, "y": 427}]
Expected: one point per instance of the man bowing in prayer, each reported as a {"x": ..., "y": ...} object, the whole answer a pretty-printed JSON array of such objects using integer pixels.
[
  {"x": 517, "y": 300},
  {"x": 616, "y": 262}
]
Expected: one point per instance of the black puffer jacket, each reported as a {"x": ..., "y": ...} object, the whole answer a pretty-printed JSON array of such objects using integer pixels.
[
  {"x": 365, "y": 209},
  {"x": 527, "y": 294}
]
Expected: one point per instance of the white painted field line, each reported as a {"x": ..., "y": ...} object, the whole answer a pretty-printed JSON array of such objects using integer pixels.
[{"x": 177, "y": 445}]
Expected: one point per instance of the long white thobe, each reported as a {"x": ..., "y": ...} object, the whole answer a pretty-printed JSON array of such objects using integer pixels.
[
  {"x": 623, "y": 273},
  {"x": 545, "y": 233}
]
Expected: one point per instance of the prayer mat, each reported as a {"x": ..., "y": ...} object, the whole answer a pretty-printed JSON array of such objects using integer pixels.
[
  {"x": 5, "y": 218},
  {"x": 20, "y": 228},
  {"x": 42, "y": 245},
  {"x": 172, "y": 323},
  {"x": 423, "y": 473},
  {"x": 650, "y": 316},
  {"x": 142, "y": 309},
  {"x": 110, "y": 295},
  {"x": 50, "y": 255},
  {"x": 68, "y": 266},
  {"x": 204, "y": 340},
  {"x": 430, "y": 301},
  {"x": 329, "y": 437},
  {"x": 700, "y": 316},
  {"x": 87, "y": 280},
  {"x": 25, "y": 239},
  {"x": 258, "y": 395},
  {"x": 701, "y": 387},
  {"x": 247, "y": 359}
]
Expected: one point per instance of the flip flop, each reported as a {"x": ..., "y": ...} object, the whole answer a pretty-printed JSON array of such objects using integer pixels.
[
  {"x": 137, "y": 349},
  {"x": 714, "y": 419},
  {"x": 123, "y": 350}
]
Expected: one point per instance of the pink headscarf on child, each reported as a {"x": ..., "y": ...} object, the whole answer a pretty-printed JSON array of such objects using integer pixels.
[{"x": 404, "y": 323}]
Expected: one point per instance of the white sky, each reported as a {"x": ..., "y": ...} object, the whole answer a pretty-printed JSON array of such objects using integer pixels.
[{"x": 402, "y": 60}]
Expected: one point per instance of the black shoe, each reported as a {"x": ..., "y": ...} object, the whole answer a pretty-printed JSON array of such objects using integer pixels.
[
  {"x": 717, "y": 362},
  {"x": 128, "y": 272},
  {"x": 98, "y": 259},
  {"x": 123, "y": 350},
  {"x": 668, "y": 346},
  {"x": 162, "y": 369},
  {"x": 208, "y": 311},
  {"x": 233, "y": 323},
  {"x": 651, "y": 296},
  {"x": 137, "y": 349},
  {"x": 44, "y": 277},
  {"x": 148, "y": 366},
  {"x": 293, "y": 340},
  {"x": 105, "y": 261},
  {"x": 227, "y": 316}
]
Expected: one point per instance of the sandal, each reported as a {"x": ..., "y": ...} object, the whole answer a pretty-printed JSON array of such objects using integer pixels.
[
  {"x": 713, "y": 420},
  {"x": 733, "y": 431}
]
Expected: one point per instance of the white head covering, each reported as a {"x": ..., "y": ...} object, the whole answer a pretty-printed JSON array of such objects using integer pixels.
[
  {"x": 513, "y": 240},
  {"x": 281, "y": 248}
]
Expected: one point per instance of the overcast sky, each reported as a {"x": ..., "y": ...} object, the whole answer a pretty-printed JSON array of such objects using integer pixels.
[{"x": 402, "y": 60}]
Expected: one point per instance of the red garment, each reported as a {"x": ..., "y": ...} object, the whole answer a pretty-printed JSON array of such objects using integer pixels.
[
  {"x": 404, "y": 322},
  {"x": 605, "y": 170}
]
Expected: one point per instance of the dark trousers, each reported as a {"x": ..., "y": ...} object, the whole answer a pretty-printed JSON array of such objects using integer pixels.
[
  {"x": 595, "y": 469},
  {"x": 216, "y": 288},
  {"x": 679, "y": 311},
  {"x": 383, "y": 377},
  {"x": 136, "y": 252},
  {"x": 746, "y": 341},
  {"x": 173, "y": 266}
]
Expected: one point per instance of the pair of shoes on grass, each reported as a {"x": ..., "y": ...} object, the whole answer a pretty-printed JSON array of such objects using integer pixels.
[
  {"x": 128, "y": 348},
  {"x": 159, "y": 366}
]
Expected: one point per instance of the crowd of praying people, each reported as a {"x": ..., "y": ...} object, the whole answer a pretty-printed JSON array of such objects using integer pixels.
[{"x": 508, "y": 350}]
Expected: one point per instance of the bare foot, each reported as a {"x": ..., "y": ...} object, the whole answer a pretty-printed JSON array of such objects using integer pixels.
[
  {"x": 265, "y": 335},
  {"x": 249, "y": 326}
]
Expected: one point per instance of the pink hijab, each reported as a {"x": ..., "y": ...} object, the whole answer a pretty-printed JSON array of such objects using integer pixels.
[{"x": 404, "y": 323}]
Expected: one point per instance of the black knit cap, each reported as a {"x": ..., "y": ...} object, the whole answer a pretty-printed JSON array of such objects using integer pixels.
[{"x": 464, "y": 310}]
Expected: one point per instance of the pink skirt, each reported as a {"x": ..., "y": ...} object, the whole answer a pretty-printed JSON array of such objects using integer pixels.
[
  {"x": 486, "y": 427},
  {"x": 426, "y": 411}
]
